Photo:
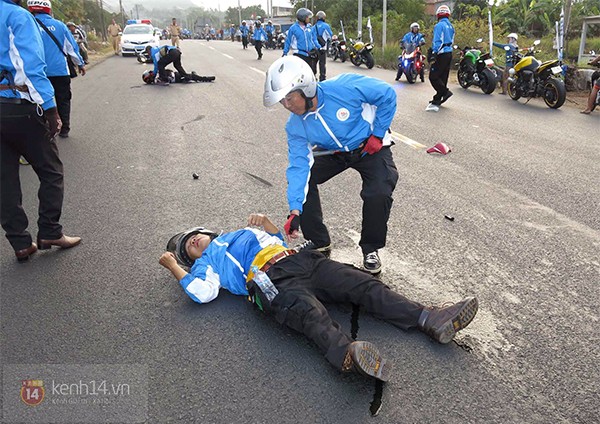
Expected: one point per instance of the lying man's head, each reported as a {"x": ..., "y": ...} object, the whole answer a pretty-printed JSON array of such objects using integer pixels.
[{"x": 189, "y": 245}]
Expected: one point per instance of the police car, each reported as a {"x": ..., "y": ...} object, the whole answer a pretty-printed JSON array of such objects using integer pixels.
[{"x": 138, "y": 34}]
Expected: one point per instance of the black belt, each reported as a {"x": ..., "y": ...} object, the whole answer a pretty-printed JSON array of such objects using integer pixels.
[{"x": 15, "y": 101}]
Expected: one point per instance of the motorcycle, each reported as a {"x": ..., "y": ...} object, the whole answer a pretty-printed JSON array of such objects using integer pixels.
[
  {"x": 476, "y": 68},
  {"x": 337, "y": 49},
  {"x": 142, "y": 57},
  {"x": 410, "y": 62},
  {"x": 360, "y": 52},
  {"x": 271, "y": 42},
  {"x": 280, "y": 41},
  {"x": 532, "y": 78}
]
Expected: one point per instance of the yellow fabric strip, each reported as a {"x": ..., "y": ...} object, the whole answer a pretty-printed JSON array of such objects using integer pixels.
[{"x": 263, "y": 257}]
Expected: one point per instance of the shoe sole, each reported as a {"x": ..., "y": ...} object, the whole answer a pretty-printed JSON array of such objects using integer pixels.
[
  {"x": 373, "y": 271},
  {"x": 369, "y": 362},
  {"x": 463, "y": 318}
]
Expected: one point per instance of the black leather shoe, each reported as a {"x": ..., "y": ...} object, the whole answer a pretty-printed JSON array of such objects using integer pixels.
[
  {"x": 65, "y": 242},
  {"x": 441, "y": 324},
  {"x": 372, "y": 263},
  {"x": 63, "y": 134},
  {"x": 364, "y": 358},
  {"x": 24, "y": 254},
  {"x": 446, "y": 96}
]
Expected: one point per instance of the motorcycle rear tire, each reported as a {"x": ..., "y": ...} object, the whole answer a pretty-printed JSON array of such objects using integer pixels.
[
  {"x": 511, "y": 88},
  {"x": 355, "y": 59},
  {"x": 555, "y": 93},
  {"x": 487, "y": 81},
  {"x": 369, "y": 60}
]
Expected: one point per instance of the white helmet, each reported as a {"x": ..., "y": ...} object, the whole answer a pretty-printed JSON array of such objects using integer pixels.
[
  {"x": 513, "y": 35},
  {"x": 39, "y": 6},
  {"x": 415, "y": 25},
  {"x": 442, "y": 11},
  {"x": 321, "y": 15},
  {"x": 287, "y": 74}
]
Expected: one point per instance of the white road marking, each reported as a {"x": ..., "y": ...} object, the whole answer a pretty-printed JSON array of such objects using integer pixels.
[
  {"x": 227, "y": 56},
  {"x": 258, "y": 70},
  {"x": 404, "y": 139},
  {"x": 212, "y": 48}
]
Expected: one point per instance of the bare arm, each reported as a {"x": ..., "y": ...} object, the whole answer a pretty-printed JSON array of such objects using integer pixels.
[
  {"x": 168, "y": 261},
  {"x": 259, "y": 220}
]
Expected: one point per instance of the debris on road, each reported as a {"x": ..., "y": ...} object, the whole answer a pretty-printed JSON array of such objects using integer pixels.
[{"x": 441, "y": 148}]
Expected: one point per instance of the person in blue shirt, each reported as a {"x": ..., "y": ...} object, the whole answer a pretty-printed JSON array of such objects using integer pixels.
[
  {"x": 513, "y": 48},
  {"x": 232, "y": 32},
  {"x": 441, "y": 58},
  {"x": 244, "y": 30},
  {"x": 348, "y": 118},
  {"x": 303, "y": 281},
  {"x": 57, "y": 68},
  {"x": 270, "y": 30},
  {"x": 301, "y": 39},
  {"x": 260, "y": 37},
  {"x": 29, "y": 123},
  {"x": 410, "y": 41},
  {"x": 163, "y": 56},
  {"x": 323, "y": 35}
]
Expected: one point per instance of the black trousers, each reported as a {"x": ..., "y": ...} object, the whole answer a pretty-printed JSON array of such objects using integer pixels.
[
  {"x": 307, "y": 280},
  {"x": 379, "y": 176},
  {"x": 245, "y": 41},
  {"x": 24, "y": 133},
  {"x": 62, "y": 93},
  {"x": 438, "y": 76},
  {"x": 258, "y": 45},
  {"x": 174, "y": 57},
  {"x": 322, "y": 59},
  {"x": 312, "y": 62}
]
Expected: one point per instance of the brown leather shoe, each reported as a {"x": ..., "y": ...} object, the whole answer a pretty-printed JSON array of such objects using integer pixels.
[
  {"x": 441, "y": 324},
  {"x": 364, "y": 358},
  {"x": 65, "y": 242},
  {"x": 24, "y": 254}
]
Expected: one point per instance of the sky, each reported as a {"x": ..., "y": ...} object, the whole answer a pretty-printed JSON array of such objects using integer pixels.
[{"x": 224, "y": 4}]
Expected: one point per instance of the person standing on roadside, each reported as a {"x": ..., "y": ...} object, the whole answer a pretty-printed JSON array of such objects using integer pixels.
[
  {"x": 441, "y": 58},
  {"x": 301, "y": 39},
  {"x": 29, "y": 123},
  {"x": 323, "y": 33},
  {"x": 114, "y": 31},
  {"x": 81, "y": 39},
  {"x": 55, "y": 34},
  {"x": 513, "y": 48},
  {"x": 260, "y": 36},
  {"x": 175, "y": 31},
  {"x": 244, "y": 31}
]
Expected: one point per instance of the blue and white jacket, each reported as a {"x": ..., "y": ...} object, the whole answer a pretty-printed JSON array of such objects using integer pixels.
[
  {"x": 244, "y": 30},
  {"x": 22, "y": 56},
  {"x": 55, "y": 59},
  {"x": 270, "y": 29},
  {"x": 322, "y": 29},
  {"x": 259, "y": 34},
  {"x": 412, "y": 38},
  {"x": 350, "y": 108},
  {"x": 301, "y": 39},
  {"x": 443, "y": 36},
  {"x": 225, "y": 263},
  {"x": 156, "y": 55}
]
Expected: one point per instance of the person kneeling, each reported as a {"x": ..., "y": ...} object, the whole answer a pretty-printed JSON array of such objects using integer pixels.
[{"x": 300, "y": 282}]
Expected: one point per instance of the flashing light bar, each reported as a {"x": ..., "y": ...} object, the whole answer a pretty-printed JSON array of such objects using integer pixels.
[{"x": 139, "y": 21}]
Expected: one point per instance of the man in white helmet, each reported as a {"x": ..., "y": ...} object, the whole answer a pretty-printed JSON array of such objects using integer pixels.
[
  {"x": 414, "y": 38},
  {"x": 323, "y": 34},
  {"x": 441, "y": 58},
  {"x": 513, "y": 47},
  {"x": 348, "y": 119}
]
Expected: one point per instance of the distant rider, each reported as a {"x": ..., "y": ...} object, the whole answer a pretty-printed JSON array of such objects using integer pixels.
[{"x": 415, "y": 38}]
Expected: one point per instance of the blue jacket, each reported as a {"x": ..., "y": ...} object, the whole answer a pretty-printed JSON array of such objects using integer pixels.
[
  {"x": 269, "y": 29},
  {"x": 509, "y": 53},
  {"x": 443, "y": 36},
  {"x": 350, "y": 109},
  {"x": 411, "y": 38},
  {"x": 244, "y": 30},
  {"x": 260, "y": 34},
  {"x": 55, "y": 59},
  {"x": 322, "y": 29},
  {"x": 22, "y": 56},
  {"x": 225, "y": 263},
  {"x": 156, "y": 55},
  {"x": 300, "y": 39}
]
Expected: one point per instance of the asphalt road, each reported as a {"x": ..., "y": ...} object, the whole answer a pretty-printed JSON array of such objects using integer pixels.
[{"x": 522, "y": 182}]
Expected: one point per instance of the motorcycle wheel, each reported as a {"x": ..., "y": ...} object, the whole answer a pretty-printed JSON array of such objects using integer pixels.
[
  {"x": 369, "y": 60},
  {"x": 511, "y": 87},
  {"x": 343, "y": 57},
  {"x": 462, "y": 79},
  {"x": 355, "y": 59},
  {"x": 487, "y": 81},
  {"x": 555, "y": 93},
  {"x": 411, "y": 74}
]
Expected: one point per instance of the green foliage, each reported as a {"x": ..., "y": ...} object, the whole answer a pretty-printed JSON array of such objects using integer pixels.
[{"x": 232, "y": 14}]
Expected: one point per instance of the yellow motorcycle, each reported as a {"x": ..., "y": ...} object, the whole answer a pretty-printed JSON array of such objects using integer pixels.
[
  {"x": 360, "y": 52},
  {"x": 532, "y": 78}
]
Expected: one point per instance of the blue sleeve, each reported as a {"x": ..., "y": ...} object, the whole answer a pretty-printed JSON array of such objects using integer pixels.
[
  {"x": 500, "y": 45},
  {"x": 437, "y": 38},
  {"x": 406, "y": 39},
  {"x": 300, "y": 160},
  {"x": 154, "y": 53},
  {"x": 382, "y": 95},
  {"x": 328, "y": 30},
  {"x": 288, "y": 41}
]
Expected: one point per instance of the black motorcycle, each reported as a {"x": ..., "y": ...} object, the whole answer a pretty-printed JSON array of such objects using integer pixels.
[
  {"x": 337, "y": 49},
  {"x": 476, "y": 69}
]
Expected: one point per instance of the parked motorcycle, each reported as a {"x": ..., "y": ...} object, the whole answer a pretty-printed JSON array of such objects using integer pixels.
[
  {"x": 337, "y": 49},
  {"x": 532, "y": 78},
  {"x": 360, "y": 52},
  {"x": 410, "y": 62},
  {"x": 476, "y": 68},
  {"x": 271, "y": 42}
]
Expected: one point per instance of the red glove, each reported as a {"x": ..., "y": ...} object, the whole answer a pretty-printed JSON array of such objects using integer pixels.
[
  {"x": 374, "y": 144},
  {"x": 291, "y": 226},
  {"x": 54, "y": 122}
]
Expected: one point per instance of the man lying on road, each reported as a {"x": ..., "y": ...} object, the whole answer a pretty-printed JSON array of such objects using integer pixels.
[
  {"x": 149, "y": 77},
  {"x": 302, "y": 281}
]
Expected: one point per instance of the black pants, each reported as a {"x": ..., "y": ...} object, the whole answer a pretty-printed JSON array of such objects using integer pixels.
[
  {"x": 174, "y": 57},
  {"x": 245, "y": 41},
  {"x": 258, "y": 45},
  {"x": 307, "y": 280},
  {"x": 322, "y": 59},
  {"x": 438, "y": 76},
  {"x": 62, "y": 92},
  {"x": 24, "y": 133},
  {"x": 312, "y": 62},
  {"x": 379, "y": 176}
]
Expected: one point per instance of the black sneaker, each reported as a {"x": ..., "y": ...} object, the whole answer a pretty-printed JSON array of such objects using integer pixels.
[
  {"x": 441, "y": 324},
  {"x": 63, "y": 134},
  {"x": 309, "y": 245},
  {"x": 372, "y": 263},
  {"x": 446, "y": 96},
  {"x": 364, "y": 358}
]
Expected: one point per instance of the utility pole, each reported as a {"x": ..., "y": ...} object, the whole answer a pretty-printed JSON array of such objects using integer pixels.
[
  {"x": 121, "y": 11},
  {"x": 240, "y": 12},
  {"x": 359, "y": 35},
  {"x": 104, "y": 38},
  {"x": 384, "y": 35}
]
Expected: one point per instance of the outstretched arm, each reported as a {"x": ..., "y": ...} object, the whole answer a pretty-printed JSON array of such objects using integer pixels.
[{"x": 168, "y": 261}]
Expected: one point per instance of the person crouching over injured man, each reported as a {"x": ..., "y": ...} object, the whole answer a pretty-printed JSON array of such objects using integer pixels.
[
  {"x": 163, "y": 56},
  {"x": 149, "y": 77},
  {"x": 302, "y": 282}
]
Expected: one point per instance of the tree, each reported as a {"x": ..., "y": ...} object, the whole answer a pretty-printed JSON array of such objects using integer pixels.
[{"x": 232, "y": 14}]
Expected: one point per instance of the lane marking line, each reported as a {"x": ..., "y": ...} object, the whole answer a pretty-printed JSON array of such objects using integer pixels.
[
  {"x": 404, "y": 139},
  {"x": 258, "y": 70},
  {"x": 227, "y": 56},
  {"x": 210, "y": 47}
]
